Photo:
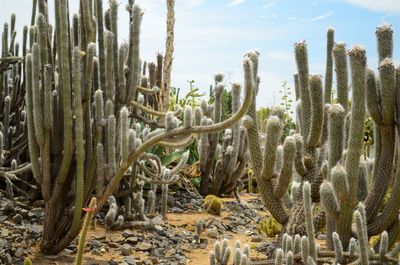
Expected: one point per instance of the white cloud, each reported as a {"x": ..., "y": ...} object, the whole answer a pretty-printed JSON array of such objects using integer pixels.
[
  {"x": 389, "y": 6},
  {"x": 327, "y": 14},
  {"x": 236, "y": 2},
  {"x": 270, "y": 4},
  {"x": 193, "y": 3}
]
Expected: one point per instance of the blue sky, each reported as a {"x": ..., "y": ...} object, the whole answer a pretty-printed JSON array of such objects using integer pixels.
[{"x": 212, "y": 35}]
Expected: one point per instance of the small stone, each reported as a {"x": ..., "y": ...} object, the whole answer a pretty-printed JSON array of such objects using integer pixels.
[
  {"x": 8, "y": 259},
  {"x": 143, "y": 246},
  {"x": 170, "y": 252},
  {"x": 17, "y": 219},
  {"x": 96, "y": 252},
  {"x": 130, "y": 260},
  {"x": 256, "y": 238},
  {"x": 127, "y": 233},
  {"x": 132, "y": 239},
  {"x": 126, "y": 249},
  {"x": 176, "y": 210},
  {"x": 103, "y": 250},
  {"x": 19, "y": 253},
  {"x": 213, "y": 233}
]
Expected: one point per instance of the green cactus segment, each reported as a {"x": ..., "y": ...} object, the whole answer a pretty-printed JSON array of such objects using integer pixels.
[
  {"x": 271, "y": 144},
  {"x": 372, "y": 98},
  {"x": 302, "y": 69},
  {"x": 335, "y": 134},
  {"x": 363, "y": 239},
  {"x": 309, "y": 220},
  {"x": 63, "y": 55},
  {"x": 80, "y": 149},
  {"x": 384, "y": 36},
  {"x": 339, "y": 53},
  {"x": 329, "y": 200},
  {"x": 134, "y": 60},
  {"x": 329, "y": 66},
  {"x": 317, "y": 110},
  {"x": 266, "y": 188},
  {"x": 82, "y": 236},
  {"x": 285, "y": 176},
  {"x": 387, "y": 82},
  {"x": 33, "y": 145},
  {"x": 355, "y": 142}
]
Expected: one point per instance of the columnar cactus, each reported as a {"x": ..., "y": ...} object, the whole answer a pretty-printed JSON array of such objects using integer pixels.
[{"x": 72, "y": 85}]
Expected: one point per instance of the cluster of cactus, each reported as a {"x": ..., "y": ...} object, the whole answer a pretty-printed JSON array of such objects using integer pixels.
[
  {"x": 14, "y": 162},
  {"x": 347, "y": 183},
  {"x": 326, "y": 151},
  {"x": 222, "y": 253},
  {"x": 230, "y": 158},
  {"x": 84, "y": 95},
  {"x": 303, "y": 249}
]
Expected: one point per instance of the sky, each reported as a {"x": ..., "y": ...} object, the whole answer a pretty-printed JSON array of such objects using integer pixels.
[{"x": 211, "y": 36}]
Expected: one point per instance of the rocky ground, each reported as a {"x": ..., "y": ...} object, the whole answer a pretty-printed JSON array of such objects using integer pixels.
[{"x": 172, "y": 242}]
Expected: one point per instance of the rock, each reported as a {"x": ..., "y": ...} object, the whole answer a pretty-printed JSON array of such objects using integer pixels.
[
  {"x": 130, "y": 260},
  {"x": 128, "y": 233},
  {"x": 177, "y": 210},
  {"x": 132, "y": 239},
  {"x": 256, "y": 238},
  {"x": 8, "y": 259},
  {"x": 126, "y": 249},
  {"x": 143, "y": 246},
  {"x": 170, "y": 252},
  {"x": 103, "y": 250},
  {"x": 213, "y": 233},
  {"x": 9, "y": 207},
  {"x": 19, "y": 253},
  {"x": 96, "y": 252}
]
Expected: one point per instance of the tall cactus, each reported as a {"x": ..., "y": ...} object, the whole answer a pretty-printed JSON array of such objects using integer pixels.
[{"x": 73, "y": 86}]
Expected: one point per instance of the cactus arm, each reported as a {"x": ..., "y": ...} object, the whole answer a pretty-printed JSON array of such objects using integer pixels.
[
  {"x": 80, "y": 146},
  {"x": 387, "y": 82},
  {"x": 100, "y": 38},
  {"x": 114, "y": 30},
  {"x": 236, "y": 128},
  {"x": 335, "y": 134},
  {"x": 355, "y": 142},
  {"x": 110, "y": 81},
  {"x": 134, "y": 61},
  {"x": 384, "y": 36},
  {"x": 363, "y": 239},
  {"x": 285, "y": 175},
  {"x": 271, "y": 144},
  {"x": 63, "y": 47},
  {"x": 342, "y": 87},
  {"x": 390, "y": 211},
  {"x": 298, "y": 161},
  {"x": 45, "y": 150},
  {"x": 33, "y": 145},
  {"x": 302, "y": 68},
  {"x": 317, "y": 111},
  {"x": 82, "y": 236},
  {"x": 37, "y": 95},
  {"x": 329, "y": 201},
  {"x": 309, "y": 219},
  {"x": 329, "y": 66},
  {"x": 382, "y": 174},
  {"x": 122, "y": 56}
]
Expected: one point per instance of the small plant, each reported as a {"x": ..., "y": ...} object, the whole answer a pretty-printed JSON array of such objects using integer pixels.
[
  {"x": 213, "y": 204},
  {"x": 270, "y": 227}
]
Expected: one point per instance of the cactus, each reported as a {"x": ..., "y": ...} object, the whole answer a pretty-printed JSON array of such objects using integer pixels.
[
  {"x": 82, "y": 237},
  {"x": 93, "y": 143}
]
